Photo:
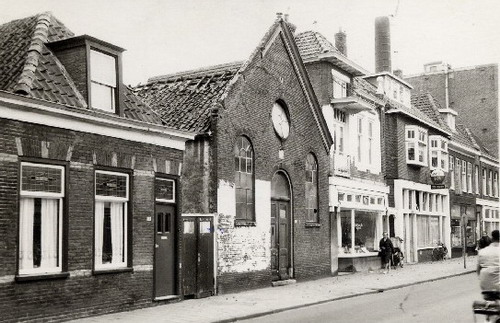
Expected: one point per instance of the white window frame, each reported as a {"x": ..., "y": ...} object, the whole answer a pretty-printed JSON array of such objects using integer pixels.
[
  {"x": 340, "y": 82},
  {"x": 490, "y": 183},
  {"x": 495, "y": 184},
  {"x": 476, "y": 179},
  {"x": 452, "y": 172},
  {"x": 419, "y": 142},
  {"x": 173, "y": 191},
  {"x": 94, "y": 54},
  {"x": 44, "y": 195},
  {"x": 439, "y": 148},
  {"x": 469, "y": 177},
  {"x": 98, "y": 265},
  {"x": 370, "y": 142},
  {"x": 484, "y": 181},
  {"x": 359, "y": 137}
]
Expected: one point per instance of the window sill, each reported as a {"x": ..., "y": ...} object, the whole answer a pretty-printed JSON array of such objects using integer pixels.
[
  {"x": 244, "y": 223},
  {"x": 416, "y": 163},
  {"x": 36, "y": 277},
  {"x": 312, "y": 225},
  {"x": 112, "y": 271}
]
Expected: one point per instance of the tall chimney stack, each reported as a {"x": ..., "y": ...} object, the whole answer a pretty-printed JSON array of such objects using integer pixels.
[
  {"x": 340, "y": 42},
  {"x": 382, "y": 45}
]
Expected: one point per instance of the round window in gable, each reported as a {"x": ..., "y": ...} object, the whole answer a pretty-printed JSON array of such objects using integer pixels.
[{"x": 280, "y": 120}]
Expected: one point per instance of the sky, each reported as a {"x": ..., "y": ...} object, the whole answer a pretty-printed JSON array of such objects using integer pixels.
[{"x": 167, "y": 36}]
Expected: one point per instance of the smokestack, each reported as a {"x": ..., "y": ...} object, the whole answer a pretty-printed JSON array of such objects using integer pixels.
[
  {"x": 382, "y": 45},
  {"x": 340, "y": 42}
]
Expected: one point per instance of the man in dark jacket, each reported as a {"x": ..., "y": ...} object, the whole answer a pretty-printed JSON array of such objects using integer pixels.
[
  {"x": 484, "y": 241},
  {"x": 386, "y": 250}
]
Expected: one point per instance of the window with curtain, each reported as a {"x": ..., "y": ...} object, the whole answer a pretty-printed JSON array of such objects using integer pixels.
[
  {"x": 244, "y": 179},
  {"x": 428, "y": 231},
  {"x": 111, "y": 200},
  {"x": 311, "y": 189},
  {"x": 40, "y": 218},
  {"x": 103, "y": 81},
  {"x": 416, "y": 145}
]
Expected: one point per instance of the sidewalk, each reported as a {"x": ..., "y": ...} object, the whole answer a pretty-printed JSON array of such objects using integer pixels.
[{"x": 230, "y": 307}]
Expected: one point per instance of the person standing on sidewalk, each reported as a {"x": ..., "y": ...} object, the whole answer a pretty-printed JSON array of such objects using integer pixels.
[
  {"x": 488, "y": 264},
  {"x": 386, "y": 250}
]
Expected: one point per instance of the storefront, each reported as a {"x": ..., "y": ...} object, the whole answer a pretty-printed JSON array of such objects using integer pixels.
[
  {"x": 360, "y": 209},
  {"x": 458, "y": 228},
  {"x": 421, "y": 218}
]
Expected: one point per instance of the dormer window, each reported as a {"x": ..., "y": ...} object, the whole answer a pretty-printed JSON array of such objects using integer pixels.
[
  {"x": 439, "y": 153},
  {"x": 340, "y": 84},
  {"x": 103, "y": 81},
  {"x": 416, "y": 145}
]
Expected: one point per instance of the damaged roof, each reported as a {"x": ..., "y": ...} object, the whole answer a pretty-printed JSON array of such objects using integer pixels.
[{"x": 28, "y": 67}]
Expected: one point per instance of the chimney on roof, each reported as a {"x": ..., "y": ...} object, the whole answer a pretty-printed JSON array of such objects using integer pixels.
[
  {"x": 382, "y": 45},
  {"x": 340, "y": 42},
  {"x": 279, "y": 15},
  {"x": 398, "y": 73}
]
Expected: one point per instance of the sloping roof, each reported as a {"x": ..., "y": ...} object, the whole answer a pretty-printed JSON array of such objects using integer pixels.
[
  {"x": 312, "y": 43},
  {"x": 426, "y": 103},
  {"x": 28, "y": 67},
  {"x": 365, "y": 90},
  {"x": 183, "y": 100}
]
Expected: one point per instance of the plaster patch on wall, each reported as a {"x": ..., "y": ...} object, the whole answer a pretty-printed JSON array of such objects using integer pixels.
[{"x": 244, "y": 248}]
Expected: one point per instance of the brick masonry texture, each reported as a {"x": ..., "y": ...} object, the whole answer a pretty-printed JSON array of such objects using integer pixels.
[
  {"x": 247, "y": 111},
  {"x": 83, "y": 293},
  {"x": 470, "y": 90}
]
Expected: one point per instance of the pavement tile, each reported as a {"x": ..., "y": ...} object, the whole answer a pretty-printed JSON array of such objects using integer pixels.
[{"x": 229, "y": 307}]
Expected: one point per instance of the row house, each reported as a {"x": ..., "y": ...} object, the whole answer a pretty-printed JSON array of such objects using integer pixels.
[
  {"x": 353, "y": 113},
  {"x": 255, "y": 179},
  {"x": 83, "y": 162}
]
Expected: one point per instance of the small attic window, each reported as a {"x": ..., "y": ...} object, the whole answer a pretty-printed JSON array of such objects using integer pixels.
[{"x": 103, "y": 81}]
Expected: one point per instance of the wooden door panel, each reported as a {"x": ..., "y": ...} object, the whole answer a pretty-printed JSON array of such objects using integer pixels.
[{"x": 165, "y": 253}]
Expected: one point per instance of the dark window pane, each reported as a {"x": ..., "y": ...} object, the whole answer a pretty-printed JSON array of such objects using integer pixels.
[
  {"x": 41, "y": 179},
  {"x": 167, "y": 223},
  {"x": 159, "y": 222},
  {"x": 37, "y": 234},
  {"x": 107, "y": 250}
]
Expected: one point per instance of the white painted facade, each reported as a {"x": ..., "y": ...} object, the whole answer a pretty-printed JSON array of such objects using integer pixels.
[
  {"x": 243, "y": 248},
  {"x": 490, "y": 215},
  {"x": 416, "y": 203}
]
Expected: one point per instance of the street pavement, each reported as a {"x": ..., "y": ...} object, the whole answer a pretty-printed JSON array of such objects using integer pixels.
[
  {"x": 444, "y": 301},
  {"x": 258, "y": 302}
]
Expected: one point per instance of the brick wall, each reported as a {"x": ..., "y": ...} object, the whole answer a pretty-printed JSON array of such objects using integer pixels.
[
  {"x": 475, "y": 87},
  {"x": 247, "y": 111},
  {"x": 82, "y": 293}
]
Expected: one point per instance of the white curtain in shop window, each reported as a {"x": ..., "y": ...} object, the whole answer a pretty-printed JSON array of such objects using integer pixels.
[
  {"x": 49, "y": 233},
  {"x": 99, "y": 227},
  {"x": 117, "y": 232},
  {"x": 27, "y": 209}
]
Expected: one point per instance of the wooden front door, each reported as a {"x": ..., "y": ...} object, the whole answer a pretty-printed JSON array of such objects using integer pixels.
[
  {"x": 165, "y": 256},
  {"x": 198, "y": 255},
  {"x": 281, "y": 264}
]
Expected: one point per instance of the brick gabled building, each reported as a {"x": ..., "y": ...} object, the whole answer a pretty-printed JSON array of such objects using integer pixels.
[
  {"x": 82, "y": 161},
  {"x": 353, "y": 112},
  {"x": 256, "y": 176}
]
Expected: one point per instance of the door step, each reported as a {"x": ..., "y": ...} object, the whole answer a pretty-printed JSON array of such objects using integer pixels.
[
  {"x": 166, "y": 298},
  {"x": 283, "y": 282}
]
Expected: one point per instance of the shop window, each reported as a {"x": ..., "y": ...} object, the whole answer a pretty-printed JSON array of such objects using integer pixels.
[
  {"x": 311, "y": 189},
  {"x": 365, "y": 230},
  {"x": 103, "y": 81},
  {"x": 244, "y": 180},
  {"x": 416, "y": 145},
  {"x": 40, "y": 218},
  {"x": 428, "y": 231},
  {"x": 456, "y": 233},
  {"x": 111, "y": 220}
]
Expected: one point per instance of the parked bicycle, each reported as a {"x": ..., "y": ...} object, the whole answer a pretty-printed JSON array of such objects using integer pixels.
[{"x": 439, "y": 252}]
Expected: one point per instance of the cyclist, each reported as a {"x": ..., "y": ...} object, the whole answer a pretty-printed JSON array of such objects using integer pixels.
[{"x": 488, "y": 264}]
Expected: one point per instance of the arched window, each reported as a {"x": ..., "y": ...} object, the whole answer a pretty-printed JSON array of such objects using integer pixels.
[
  {"x": 311, "y": 189},
  {"x": 244, "y": 180}
]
